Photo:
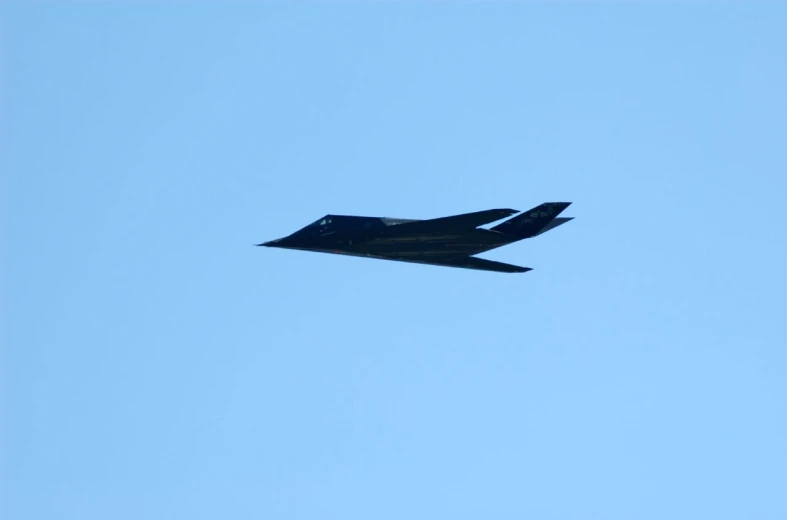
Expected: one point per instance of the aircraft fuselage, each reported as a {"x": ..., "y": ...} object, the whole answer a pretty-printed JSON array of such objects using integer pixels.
[
  {"x": 447, "y": 241},
  {"x": 434, "y": 245}
]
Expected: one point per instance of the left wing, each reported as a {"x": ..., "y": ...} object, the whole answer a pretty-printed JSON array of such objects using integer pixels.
[{"x": 468, "y": 262}]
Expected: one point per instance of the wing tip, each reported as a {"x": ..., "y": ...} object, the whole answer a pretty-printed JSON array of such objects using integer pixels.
[{"x": 518, "y": 269}]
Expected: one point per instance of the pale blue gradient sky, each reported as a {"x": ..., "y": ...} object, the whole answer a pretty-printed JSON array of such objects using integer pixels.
[{"x": 158, "y": 366}]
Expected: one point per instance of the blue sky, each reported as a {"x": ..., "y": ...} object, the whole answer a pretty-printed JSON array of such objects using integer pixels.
[{"x": 158, "y": 366}]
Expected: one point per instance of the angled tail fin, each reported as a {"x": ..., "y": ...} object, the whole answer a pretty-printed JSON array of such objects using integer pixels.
[
  {"x": 555, "y": 223},
  {"x": 534, "y": 221}
]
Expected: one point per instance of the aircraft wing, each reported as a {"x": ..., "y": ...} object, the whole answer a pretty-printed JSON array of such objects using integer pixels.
[
  {"x": 468, "y": 262},
  {"x": 464, "y": 221}
]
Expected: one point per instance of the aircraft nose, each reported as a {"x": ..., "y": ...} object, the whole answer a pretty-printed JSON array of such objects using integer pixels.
[{"x": 270, "y": 243}]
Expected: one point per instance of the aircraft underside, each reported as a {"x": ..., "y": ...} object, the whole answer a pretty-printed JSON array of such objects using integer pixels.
[{"x": 446, "y": 245}]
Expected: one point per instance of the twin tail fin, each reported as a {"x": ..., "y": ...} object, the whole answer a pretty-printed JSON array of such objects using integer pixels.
[{"x": 535, "y": 221}]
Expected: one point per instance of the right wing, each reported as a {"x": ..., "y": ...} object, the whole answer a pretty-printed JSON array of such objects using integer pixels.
[
  {"x": 465, "y": 221},
  {"x": 468, "y": 262}
]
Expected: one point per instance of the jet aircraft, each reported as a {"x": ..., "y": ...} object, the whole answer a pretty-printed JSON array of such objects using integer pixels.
[{"x": 445, "y": 241}]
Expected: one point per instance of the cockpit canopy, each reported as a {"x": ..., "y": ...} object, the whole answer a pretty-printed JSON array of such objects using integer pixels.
[
  {"x": 323, "y": 222},
  {"x": 330, "y": 224}
]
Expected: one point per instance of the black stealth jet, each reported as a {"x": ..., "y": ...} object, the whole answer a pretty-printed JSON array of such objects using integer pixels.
[{"x": 445, "y": 241}]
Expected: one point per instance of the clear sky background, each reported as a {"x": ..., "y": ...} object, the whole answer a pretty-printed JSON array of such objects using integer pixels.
[{"x": 157, "y": 365}]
